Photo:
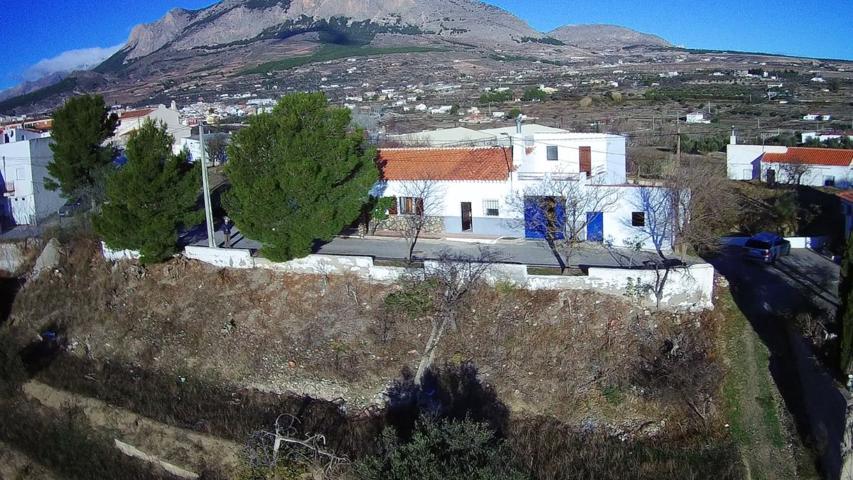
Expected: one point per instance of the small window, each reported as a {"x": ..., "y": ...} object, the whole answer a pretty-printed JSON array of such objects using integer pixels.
[
  {"x": 638, "y": 219},
  {"x": 491, "y": 208},
  {"x": 829, "y": 181},
  {"x": 747, "y": 174},
  {"x": 552, "y": 152},
  {"x": 411, "y": 206}
]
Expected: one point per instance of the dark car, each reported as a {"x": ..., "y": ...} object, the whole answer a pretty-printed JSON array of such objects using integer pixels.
[
  {"x": 71, "y": 208},
  {"x": 766, "y": 247}
]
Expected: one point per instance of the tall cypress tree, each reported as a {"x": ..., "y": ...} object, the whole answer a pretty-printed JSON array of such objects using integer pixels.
[
  {"x": 80, "y": 161},
  {"x": 845, "y": 310},
  {"x": 298, "y": 175},
  {"x": 150, "y": 198}
]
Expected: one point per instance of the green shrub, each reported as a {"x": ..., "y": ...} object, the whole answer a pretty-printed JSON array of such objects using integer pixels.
[{"x": 441, "y": 450}]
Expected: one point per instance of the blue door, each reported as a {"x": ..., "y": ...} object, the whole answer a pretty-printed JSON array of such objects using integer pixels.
[
  {"x": 594, "y": 226},
  {"x": 544, "y": 216}
]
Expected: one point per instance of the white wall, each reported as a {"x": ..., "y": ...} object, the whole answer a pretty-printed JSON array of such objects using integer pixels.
[
  {"x": 449, "y": 197},
  {"x": 686, "y": 288},
  {"x": 607, "y": 154},
  {"x": 815, "y": 175},
  {"x": 618, "y": 229},
  {"x": 24, "y": 164},
  {"x": 116, "y": 255},
  {"x": 742, "y": 160}
]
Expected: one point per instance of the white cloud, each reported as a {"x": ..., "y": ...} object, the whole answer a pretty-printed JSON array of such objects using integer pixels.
[{"x": 80, "y": 59}]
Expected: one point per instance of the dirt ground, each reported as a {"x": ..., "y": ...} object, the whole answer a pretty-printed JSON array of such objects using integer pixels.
[
  {"x": 183, "y": 448},
  {"x": 574, "y": 355},
  {"x": 14, "y": 465}
]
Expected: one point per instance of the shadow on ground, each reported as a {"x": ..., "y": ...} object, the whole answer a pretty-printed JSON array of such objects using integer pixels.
[{"x": 770, "y": 298}]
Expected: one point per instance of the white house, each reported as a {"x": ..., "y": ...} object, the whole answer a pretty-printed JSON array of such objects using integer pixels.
[
  {"x": 23, "y": 168},
  {"x": 696, "y": 117},
  {"x": 492, "y": 191},
  {"x": 813, "y": 166},
  {"x": 193, "y": 147},
  {"x": 824, "y": 136},
  {"x": 131, "y": 120}
]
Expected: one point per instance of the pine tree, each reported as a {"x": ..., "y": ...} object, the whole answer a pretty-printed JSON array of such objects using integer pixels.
[
  {"x": 845, "y": 310},
  {"x": 80, "y": 161},
  {"x": 150, "y": 198},
  {"x": 298, "y": 175}
]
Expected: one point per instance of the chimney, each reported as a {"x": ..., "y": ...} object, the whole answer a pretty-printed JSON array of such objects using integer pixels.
[
  {"x": 174, "y": 105},
  {"x": 733, "y": 138},
  {"x": 518, "y": 124}
]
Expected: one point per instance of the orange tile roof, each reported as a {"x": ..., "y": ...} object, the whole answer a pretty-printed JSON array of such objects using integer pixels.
[
  {"x": 136, "y": 113},
  {"x": 812, "y": 156},
  {"x": 477, "y": 164},
  {"x": 846, "y": 196}
]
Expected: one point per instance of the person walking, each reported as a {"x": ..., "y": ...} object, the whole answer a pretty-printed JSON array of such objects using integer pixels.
[{"x": 226, "y": 229}]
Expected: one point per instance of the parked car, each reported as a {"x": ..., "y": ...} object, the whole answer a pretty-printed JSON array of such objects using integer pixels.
[
  {"x": 766, "y": 247},
  {"x": 70, "y": 208}
]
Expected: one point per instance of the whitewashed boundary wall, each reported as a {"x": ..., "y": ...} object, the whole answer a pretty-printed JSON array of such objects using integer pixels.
[
  {"x": 221, "y": 257},
  {"x": 116, "y": 255},
  {"x": 689, "y": 288}
]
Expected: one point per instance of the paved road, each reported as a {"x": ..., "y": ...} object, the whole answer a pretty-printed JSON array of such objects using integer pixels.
[
  {"x": 771, "y": 297},
  {"x": 527, "y": 252}
]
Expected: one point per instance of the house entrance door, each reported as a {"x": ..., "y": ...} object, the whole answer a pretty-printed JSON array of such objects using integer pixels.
[{"x": 467, "y": 219}]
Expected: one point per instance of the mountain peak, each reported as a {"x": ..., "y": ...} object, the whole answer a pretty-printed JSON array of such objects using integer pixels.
[{"x": 604, "y": 36}]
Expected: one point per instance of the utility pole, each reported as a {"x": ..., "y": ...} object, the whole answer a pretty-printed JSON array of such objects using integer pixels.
[
  {"x": 678, "y": 140},
  {"x": 208, "y": 210}
]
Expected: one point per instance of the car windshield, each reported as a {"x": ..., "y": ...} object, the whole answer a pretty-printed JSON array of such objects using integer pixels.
[{"x": 751, "y": 243}]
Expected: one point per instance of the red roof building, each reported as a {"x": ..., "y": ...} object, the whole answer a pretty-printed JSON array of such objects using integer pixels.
[
  {"x": 831, "y": 157},
  {"x": 445, "y": 164}
]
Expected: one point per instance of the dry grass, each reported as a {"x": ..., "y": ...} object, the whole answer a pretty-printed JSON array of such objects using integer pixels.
[{"x": 573, "y": 355}]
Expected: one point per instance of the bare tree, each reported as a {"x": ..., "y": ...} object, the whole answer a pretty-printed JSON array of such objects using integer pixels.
[
  {"x": 419, "y": 205},
  {"x": 450, "y": 278},
  {"x": 793, "y": 172},
  {"x": 216, "y": 146},
  {"x": 560, "y": 207},
  {"x": 265, "y": 450}
]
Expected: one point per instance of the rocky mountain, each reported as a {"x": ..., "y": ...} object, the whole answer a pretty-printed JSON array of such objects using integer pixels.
[
  {"x": 243, "y": 21},
  {"x": 33, "y": 85},
  {"x": 605, "y": 37}
]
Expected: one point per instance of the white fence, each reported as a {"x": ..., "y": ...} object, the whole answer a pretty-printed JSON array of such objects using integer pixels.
[
  {"x": 685, "y": 288},
  {"x": 116, "y": 255}
]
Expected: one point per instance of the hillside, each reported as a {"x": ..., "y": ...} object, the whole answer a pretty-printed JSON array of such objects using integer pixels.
[{"x": 602, "y": 37}]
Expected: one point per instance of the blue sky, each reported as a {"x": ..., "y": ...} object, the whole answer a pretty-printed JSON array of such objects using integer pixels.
[{"x": 797, "y": 27}]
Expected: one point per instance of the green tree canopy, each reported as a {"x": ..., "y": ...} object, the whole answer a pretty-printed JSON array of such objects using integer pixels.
[
  {"x": 298, "y": 175},
  {"x": 442, "y": 450},
  {"x": 80, "y": 162},
  {"x": 150, "y": 198}
]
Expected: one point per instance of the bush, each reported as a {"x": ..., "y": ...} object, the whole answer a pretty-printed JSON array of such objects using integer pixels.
[
  {"x": 12, "y": 371},
  {"x": 441, "y": 450},
  {"x": 496, "y": 97}
]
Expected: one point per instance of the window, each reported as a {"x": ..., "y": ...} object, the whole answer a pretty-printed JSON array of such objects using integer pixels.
[
  {"x": 747, "y": 174},
  {"x": 829, "y": 181},
  {"x": 552, "y": 152},
  {"x": 411, "y": 206},
  {"x": 491, "y": 208},
  {"x": 638, "y": 219},
  {"x": 585, "y": 160},
  {"x": 528, "y": 141}
]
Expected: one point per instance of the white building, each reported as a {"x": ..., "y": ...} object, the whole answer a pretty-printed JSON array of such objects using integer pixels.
[
  {"x": 23, "y": 168},
  {"x": 823, "y": 137},
  {"x": 193, "y": 147},
  {"x": 132, "y": 120},
  {"x": 492, "y": 191},
  {"x": 773, "y": 163},
  {"x": 697, "y": 117}
]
